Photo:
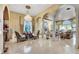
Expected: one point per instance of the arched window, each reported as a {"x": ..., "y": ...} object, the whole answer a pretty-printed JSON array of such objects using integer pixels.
[
  {"x": 45, "y": 26},
  {"x": 28, "y": 24}
]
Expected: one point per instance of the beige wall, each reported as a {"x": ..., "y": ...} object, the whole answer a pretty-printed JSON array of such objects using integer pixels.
[
  {"x": 50, "y": 10},
  {"x": 16, "y": 20}
]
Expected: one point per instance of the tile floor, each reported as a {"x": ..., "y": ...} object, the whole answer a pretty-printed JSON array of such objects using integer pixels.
[{"x": 41, "y": 46}]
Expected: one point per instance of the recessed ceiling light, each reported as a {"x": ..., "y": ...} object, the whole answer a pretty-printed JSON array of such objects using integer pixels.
[
  {"x": 68, "y": 8},
  {"x": 28, "y": 6}
]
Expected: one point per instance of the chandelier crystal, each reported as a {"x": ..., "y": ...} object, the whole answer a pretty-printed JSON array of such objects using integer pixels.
[{"x": 28, "y": 17}]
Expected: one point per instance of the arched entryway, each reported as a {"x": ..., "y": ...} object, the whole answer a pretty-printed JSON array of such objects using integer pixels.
[
  {"x": 5, "y": 13},
  {"x": 66, "y": 23},
  {"x": 5, "y": 26}
]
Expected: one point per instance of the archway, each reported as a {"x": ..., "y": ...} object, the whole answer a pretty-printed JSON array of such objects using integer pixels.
[
  {"x": 5, "y": 14},
  {"x": 66, "y": 23},
  {"x": 5, "y": 21},
  {"x": 5, "y": 26},
  {"x": 47, "y": 25}
]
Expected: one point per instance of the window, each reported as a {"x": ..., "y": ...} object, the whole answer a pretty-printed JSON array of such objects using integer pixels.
[{"x": 27, "y": 26}]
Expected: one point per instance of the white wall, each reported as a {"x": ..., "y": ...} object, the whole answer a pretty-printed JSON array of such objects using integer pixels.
[
  {"x": 77, "y": 32},
  {"x": 1, "y": 28},
  {"x": 64, "y": 14}
]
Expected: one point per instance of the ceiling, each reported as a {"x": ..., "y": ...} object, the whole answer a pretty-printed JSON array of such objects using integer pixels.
[
  {"x": 35, "y": 8},
  {"x": 66, "y": 12}
]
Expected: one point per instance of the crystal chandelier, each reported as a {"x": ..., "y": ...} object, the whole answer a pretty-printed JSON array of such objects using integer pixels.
[{"x": 28, "y": 17}]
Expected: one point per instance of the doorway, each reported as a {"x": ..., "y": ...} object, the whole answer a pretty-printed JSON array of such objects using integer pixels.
[
  {"x": 5, "y": 28},
  {"x": 66, "y": 23}
]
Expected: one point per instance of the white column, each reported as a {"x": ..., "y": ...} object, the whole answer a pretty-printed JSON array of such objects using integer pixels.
[
  {"x": 75, "y": 41},
  {"x": 77, "y": 32}
]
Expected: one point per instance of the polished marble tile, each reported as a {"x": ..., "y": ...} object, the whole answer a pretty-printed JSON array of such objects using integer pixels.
[{"x": 41, "y": 46}]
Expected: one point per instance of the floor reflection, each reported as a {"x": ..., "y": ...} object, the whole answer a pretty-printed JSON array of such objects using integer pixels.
[
  {"x": 27, "y": 49},
  {"x": 74, "y": 39},
  {"x": 42, "y": 46}
]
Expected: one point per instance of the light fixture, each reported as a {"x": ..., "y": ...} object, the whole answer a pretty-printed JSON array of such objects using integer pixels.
[
  {"x": 28, "y": 17},
  {"x": 68, "y": 8}
]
